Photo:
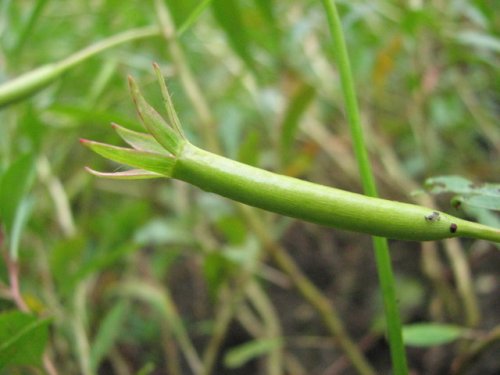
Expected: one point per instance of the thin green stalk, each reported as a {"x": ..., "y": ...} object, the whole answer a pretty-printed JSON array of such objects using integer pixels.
[
  {"x": 382, "y": 255},
  {"x": 29, "y": 83}
]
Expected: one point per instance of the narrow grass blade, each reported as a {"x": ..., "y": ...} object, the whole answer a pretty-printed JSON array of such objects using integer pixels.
[
  {"x": 297, "y": 106},
  {"x": 382, "y": 255},
  {"x": 108, "y": 333},
  {"x": 139, "y": 159}
]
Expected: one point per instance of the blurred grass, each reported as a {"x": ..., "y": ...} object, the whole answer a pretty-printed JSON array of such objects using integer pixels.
[{"x": 427, "y": 77}]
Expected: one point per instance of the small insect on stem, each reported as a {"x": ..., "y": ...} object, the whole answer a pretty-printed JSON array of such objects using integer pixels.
[{"x": 433, "y": 217}]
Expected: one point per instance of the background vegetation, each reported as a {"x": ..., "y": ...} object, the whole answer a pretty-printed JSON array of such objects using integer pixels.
[{"x": 159, "y": 277}]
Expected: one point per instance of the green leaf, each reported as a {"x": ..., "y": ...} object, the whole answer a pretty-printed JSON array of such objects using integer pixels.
[
  {"x": 15, "y": 207},
  {"x": 65, "y": 258},
  {"x": 266, "y": 7},
  {"x": 107, "y": 334},
  {"x": 140, "y": 159},
  {"x": 296, "y": 107},
  {"x": 489, "y": 201},
  {"x": 485, "y": 195},
  {"x": 445, "y": 184},
  {"x": 431, "y": 334},
  {"x": 15, "y": 183},
  {"x": 248, "y": 149},
  {"x": 241, "y": 354},
  {"x": 216, "y": 269},
  {"x": 272, "y": 31},
  {"x": 22, "y": 339},
  {"x": 22, "y": 215},
  {"x": 233, "y": 229}
]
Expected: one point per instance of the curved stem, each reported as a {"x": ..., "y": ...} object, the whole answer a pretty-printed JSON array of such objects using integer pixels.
[{"x": 29, "y": 83}]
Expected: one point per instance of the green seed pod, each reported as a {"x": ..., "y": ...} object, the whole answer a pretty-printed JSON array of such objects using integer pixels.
[
  {"x": 317, "y": 203},
  {"x": 165, "y": 152}
]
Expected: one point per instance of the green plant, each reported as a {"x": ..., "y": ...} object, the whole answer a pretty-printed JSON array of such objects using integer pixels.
[{"x": 154, "y": 276}]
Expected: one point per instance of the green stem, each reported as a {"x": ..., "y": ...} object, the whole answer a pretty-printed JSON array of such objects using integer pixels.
[
  {"x": 382, "y": 255},
  {"x": 29, "y": 83}
]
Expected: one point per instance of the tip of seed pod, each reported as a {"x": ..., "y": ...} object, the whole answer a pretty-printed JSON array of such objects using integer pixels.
[
  {"x": 83, "y": 141},
  {"x": 114, "y": 125},
  {"x": 155, "y": 65}
]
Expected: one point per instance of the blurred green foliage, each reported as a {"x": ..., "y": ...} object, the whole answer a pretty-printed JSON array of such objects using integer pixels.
[{"x": 117, "y": 265}]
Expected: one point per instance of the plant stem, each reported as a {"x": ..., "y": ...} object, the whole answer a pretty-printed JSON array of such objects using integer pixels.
[
  {"x": 29, "y": 83},
  {"x": 382, "y": 255}
]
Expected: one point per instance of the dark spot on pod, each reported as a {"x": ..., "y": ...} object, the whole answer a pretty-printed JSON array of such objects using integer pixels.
[{"x": 453, "y": 227}]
